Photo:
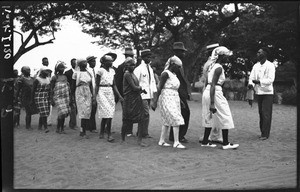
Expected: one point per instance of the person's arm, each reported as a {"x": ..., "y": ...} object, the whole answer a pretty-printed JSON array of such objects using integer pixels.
[
  {"x": 164, "y": 78},
  {"x": 98, "y": 78},
  {"x": 117, "y": 91},
  {"x": 269, "y": 78},
  {"x": 34, "y": 86},
  {"x": 130, "y": 81},
  {"x": 52, "y": 84},
  {"x": 214, "y": 82},
  {"x": 19, "y": 86},
  {"x": 251, "y": 78}
]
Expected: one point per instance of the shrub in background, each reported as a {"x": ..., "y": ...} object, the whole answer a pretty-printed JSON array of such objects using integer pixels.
[{"x": 289, "y": 96}]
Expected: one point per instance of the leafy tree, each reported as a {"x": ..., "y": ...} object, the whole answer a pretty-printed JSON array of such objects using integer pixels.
[{"x": 41, "y": 19}]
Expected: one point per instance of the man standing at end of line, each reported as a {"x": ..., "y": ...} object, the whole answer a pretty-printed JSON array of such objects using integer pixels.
[{"x": 261, "y": 78}]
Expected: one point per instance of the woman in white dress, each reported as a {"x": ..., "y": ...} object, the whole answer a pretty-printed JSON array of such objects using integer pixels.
[
  {"x": 215, "y": 108},
  {"x": 169, "y": 102},
  {"x": 105, "y": 88}
]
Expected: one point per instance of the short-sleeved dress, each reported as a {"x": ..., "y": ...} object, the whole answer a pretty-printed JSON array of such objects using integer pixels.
[
  {"x": 105, "y": 97},
  {"x": 61, "y": 95},
  {"x": 83, "y": 94},
  {"x": 42, "y": 96},
  {"x": 169, "y": 102},
  {"x": 222, "y": 118}
]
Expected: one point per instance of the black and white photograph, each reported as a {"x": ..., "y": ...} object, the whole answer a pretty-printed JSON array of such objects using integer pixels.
[{"x": 149, "y": 95}]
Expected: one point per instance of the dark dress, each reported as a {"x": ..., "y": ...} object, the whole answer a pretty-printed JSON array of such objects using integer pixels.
[
  {"x": 42, "y": 96},
  {"x": 133, "y": 103},
  {"x": 119, "y": 80}
]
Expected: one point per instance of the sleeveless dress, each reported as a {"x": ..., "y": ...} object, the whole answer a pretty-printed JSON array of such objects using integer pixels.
[
  {"x": 222, "y": 118},
  {"x": 105, "y": 97},
  {"x": 61, "y": 95},
  {"x": 169, "y": 102},
  {"x": 83, "y": 94}
]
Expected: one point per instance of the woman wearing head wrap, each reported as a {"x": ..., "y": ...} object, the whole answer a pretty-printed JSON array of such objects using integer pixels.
[
  {"x": 23, "y": 94},
  {"x": 83, "y": 89},
  {"x": 60, "y": 95},
  {"x": 105, "y": 89},
  {"x": 169, "y": 102},
  {"x": 215, "y": 108},
  {"x": 41, "y": 97},
  {"x": 133, "y": 103}
]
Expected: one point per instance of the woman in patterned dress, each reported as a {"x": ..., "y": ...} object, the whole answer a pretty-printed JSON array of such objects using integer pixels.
[
  {"x": 60, "y": 95},
  {"x": 133, "y": 103},
  {"x": 169, "y": 102},
  {"x": 105, "y": 88},
  {"x": 83, "y": 89},
  {"x": 23, "y": 93},
  {"x": 41, "y": 97}
]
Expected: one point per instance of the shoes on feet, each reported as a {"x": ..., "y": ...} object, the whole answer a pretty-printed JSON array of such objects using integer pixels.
[
  {"x": 147, "y": 136},
  {"x": 46, "y": 130},
  {"x": 142, "y": 144},
  {"x": 129, "y": 135},
  {"x": 94, "y": 131},
  {"x": 110, "y": 139},
  {"x": 230, "y": 146},
  {"x": 164, "y": 144},
  {"x": 184, "y": 140},
  {"x": 101, "y": 136},
  {"x": 263, "y": 138},
  {"x": 208, "y": 145},
  {"x": 63, "y": 132},
  {"x": 178, "y": 146}
]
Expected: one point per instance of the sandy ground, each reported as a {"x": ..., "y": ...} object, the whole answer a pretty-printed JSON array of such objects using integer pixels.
[{"x": 57, "y": 161}]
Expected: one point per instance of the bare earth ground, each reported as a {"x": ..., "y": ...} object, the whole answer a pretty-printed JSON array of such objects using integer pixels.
[{"x": 55, "y": 161}]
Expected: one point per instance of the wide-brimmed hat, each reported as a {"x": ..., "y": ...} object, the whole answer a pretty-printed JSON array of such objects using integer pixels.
[
  {"x": 111, "y": 55},
  {"x": 179, "y": 46},
  {"x": 89, "y": 58},
  {"x": 145, "y": 52},
  {"x": 212, "y": 46},
  {"x": 128, "y": 51},
  {"x": 60, "y": 64}
]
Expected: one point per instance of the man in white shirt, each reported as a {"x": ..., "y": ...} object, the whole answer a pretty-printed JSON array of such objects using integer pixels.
[
  {"x": 261, "y": 78},
  {"x": 145, "y": 75},
  {"x": 91, "y": 68}
]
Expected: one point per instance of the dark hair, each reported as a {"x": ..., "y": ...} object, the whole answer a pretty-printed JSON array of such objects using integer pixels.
[
  {"x": 266, "y": 50},
  {"x": 44, "y": 58},
  {"x": 72, "y": 59}
]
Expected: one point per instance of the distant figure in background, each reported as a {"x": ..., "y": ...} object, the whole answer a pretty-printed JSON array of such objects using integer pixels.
[
  {"x": 73, "y": 112},
  {"x": 23, "y": 94},
  {"x": 92, "y": 123},
  {"x": 41, "y": 97},
  {"x": 145, "y": 76},
  {"x": 216, "y": 133},
  {"x": 60, "y": 95},
  {"x": 17, "y": 103},
  {"x": 184, "y": 94},
  {"x": 83, "y": 89},
  {"x": 133, "y": 103},
  {"x": 261, "y": 80},
  {"x": 105, "y": 88},
  {"x": 169, "y": 102},
  {"x": 157, "y": 80}
]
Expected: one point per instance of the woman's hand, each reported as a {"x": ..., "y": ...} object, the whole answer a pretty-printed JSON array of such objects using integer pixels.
[
  {"x": 212, "y": 108},
  {"x": 153, "y": 105},
  {"x": 121, "y": 99}
]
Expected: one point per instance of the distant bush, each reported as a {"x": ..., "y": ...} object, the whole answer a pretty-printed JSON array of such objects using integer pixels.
[{"x": 289, "y": 96}]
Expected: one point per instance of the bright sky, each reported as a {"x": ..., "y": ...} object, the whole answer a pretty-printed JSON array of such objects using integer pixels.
[{"x": 70, "y": 42}]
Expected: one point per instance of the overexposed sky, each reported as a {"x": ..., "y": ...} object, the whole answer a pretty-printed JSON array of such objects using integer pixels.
[{"x": 70, "y": 42}]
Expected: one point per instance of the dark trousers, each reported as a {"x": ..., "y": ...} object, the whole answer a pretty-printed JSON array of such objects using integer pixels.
[
  {"x": 28, "y": 117},
  {"x": 185, "y": 112},
  {"x": 92, "y": 123},
  {"x": 73, "y": 113},
  {"x": 144, "y": 124},
  {"x": 265, "y": 107}
]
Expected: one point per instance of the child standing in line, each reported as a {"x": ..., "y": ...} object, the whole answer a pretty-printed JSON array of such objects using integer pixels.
[{"x": 60, "y": 95}]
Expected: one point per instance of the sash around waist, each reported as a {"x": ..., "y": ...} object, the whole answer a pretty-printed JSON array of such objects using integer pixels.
[{"x": 105, "y": 85}]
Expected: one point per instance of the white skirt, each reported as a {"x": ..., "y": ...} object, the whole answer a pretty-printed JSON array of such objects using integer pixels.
[{"x": 222, "y": 118}]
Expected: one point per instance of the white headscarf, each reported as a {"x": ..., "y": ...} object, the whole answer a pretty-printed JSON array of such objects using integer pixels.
[
  {"x": 214, "y": 56},
  {"x": 174, "y": 59}
]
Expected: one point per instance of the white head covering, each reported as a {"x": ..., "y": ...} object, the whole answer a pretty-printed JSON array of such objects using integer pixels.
[
  {"x": 174, "y": 59},
  {"x": 60, "y": 62},
  {"x": 215, "y": 55}
]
